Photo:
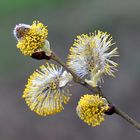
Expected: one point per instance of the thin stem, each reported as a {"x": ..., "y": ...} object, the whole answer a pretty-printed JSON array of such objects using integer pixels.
[
  {"x": 127, "y": 118},
  {"x": 95, "y": 90},
  {"x": 58, "y": 60}
]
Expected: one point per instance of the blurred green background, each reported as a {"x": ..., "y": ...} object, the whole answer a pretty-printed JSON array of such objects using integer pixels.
[{"x": 66, "y": 19}]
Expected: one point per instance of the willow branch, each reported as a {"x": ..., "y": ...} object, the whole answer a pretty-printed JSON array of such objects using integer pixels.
[
  {"x": 96, "y": 90},
  {"x": 127, "y": 118}
]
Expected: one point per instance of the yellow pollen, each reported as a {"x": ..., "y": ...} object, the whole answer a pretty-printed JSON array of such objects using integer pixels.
[
  {"x": 34, "y": 38},
  {"x": 54, "y": 84},
  {"x": 43, "y": 94},
  {"x": 91, "y": 109}
]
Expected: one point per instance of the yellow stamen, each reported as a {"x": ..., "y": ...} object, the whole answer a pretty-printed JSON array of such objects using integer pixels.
[
  {"x": 34, "y": 38},
  {"x": 91, "y": 109}
]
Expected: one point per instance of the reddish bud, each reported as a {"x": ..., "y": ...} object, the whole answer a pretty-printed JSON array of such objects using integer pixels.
[
  {"x": 40, "y": 55},
  {"x": 111, "y": 110}
]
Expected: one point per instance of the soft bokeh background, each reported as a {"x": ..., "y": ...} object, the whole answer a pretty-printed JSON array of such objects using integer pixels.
[{"x": 66, "y": 19}]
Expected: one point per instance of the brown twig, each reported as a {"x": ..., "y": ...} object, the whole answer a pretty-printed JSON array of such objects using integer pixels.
[{"x": 127, "y": 118}]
